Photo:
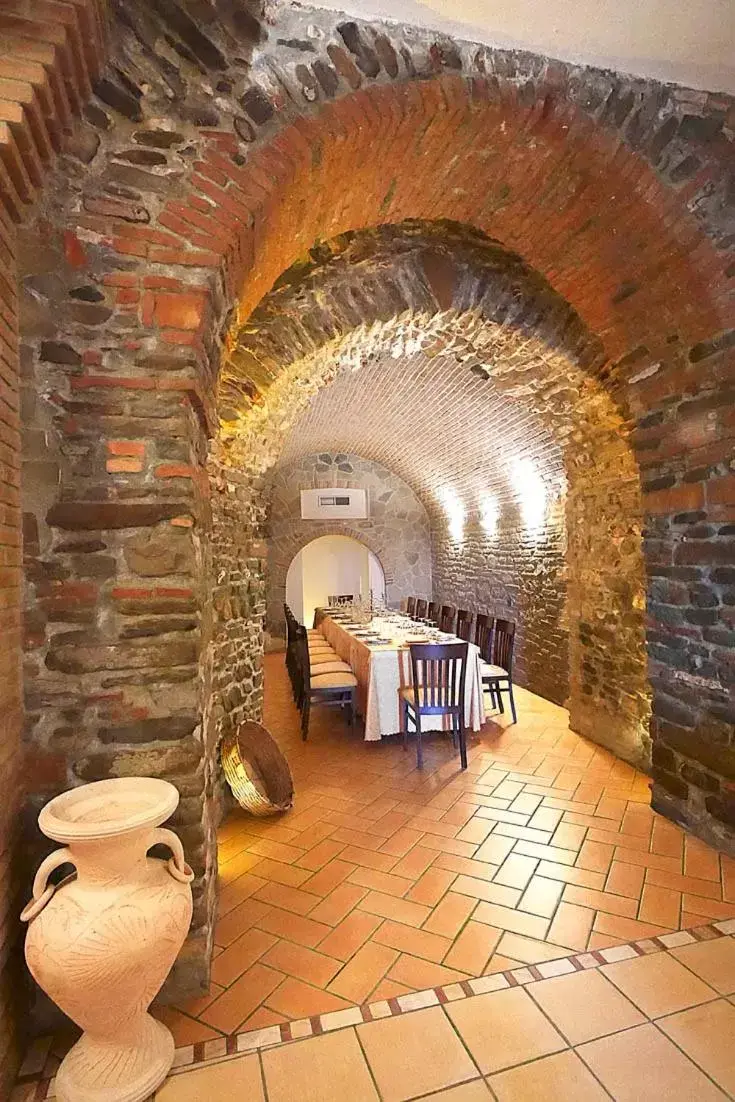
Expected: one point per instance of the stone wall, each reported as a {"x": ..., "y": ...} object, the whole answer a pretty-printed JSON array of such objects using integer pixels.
[
  {"x": 396, "y": 530},
  {"x": 518, "y": 575}
]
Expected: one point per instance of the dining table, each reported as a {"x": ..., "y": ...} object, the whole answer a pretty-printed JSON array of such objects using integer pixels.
[{"x": 379, "y": 656}]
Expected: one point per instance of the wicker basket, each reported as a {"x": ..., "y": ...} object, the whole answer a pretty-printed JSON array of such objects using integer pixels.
[{"x": 257, "y": 771}]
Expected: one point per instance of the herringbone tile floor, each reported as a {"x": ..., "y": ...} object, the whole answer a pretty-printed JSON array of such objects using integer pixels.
[{"x": 384, "y": 880}]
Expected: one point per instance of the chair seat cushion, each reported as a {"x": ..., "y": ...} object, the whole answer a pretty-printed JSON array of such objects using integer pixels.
[
  {"x": 322, "y": 657},
  {"x": 315, "y": 647},
  {"x": 318, "y": 652},
  {"x": 335, "y": 665},
  {"x": 488, "y": 670},
  {"x": 341, "y": 680}
]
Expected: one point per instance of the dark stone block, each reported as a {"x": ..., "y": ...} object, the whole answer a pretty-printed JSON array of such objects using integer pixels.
[
  {"x": 107, "y": 515},
  {"x": 165, "y": 729},
  {"x": 57, "y": 352}
]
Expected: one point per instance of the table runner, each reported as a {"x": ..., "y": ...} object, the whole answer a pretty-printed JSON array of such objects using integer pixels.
[{"x": 382, "y": 671}]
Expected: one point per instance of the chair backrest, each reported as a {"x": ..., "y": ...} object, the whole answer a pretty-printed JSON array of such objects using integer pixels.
[
  {"x": 446, "y": 618},
  {"x": 484, "y": 635},
  {"x": 503, "y": 639},
  {"x": 420, "y": 609},
  {"x": 411, "y": 606},
  {"x": 433, "y": 613},
  {"x": 464, "y": 624},
  {"x": 439, "y": 671},
  {"x": 303, "y": 666}
]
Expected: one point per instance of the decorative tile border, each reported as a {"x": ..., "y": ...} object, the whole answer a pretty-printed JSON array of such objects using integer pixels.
[{"x": 36, "y": 1071}]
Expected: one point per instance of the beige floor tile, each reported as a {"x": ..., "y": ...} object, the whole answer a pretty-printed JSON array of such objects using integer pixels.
[
  {"x": 414, "y": 1054},
  {"x": 477, "y": 1091},
  {"x": 712, "y": 961},
  {"x": 658, "y": 984},
  {"x": 559, "y": 1078},
  {"x": 541, "y": 897},
  {"x": 530, "y": 951},
  {"x": 642, "y": 1063},
  {"x": 228, "y": 1082},
  {"x": 330, "y": 1068},
  {"x": 571, "y": 926},
  {"x": 584, "y": 1005},
  {"x": 706, "y": 1033},
  {"x": 361, "y": 975},
  {"x": 504, "y": 1028}
]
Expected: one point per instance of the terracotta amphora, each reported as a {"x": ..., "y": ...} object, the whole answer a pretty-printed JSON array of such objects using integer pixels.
[{"x": 102, "y": 943}]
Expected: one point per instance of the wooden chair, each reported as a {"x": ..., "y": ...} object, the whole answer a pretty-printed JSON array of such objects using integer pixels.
[
  {"x": 411, "y": 606},
  {"x": 497, "y": 674},
  {"x": 420, "y": 609},
  {"x": 341, "y": 598},
  {"x": 439, "y": 672},
  {"x": 447, "y": 616},
  {"x": 464, "y": 624},
  {"x": 335, "y": 689},
  {"x": 433, "y": 613},
  {"x": 484, "y": 634}
]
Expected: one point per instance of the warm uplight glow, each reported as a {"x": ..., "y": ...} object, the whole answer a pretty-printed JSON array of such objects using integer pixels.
[
  {"x": 455, "y": 512},
  {"x": 531, "y": 493},
  {"x": 489, "y": 515}
]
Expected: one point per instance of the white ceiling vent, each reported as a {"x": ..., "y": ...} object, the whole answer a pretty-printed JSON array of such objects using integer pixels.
[{"x": 333, "y": 504}]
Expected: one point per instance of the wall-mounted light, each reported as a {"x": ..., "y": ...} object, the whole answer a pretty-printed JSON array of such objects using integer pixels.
[
  {"x": 455, "y": 513},
  {"x": 489, "y": 515},
  {"x": 531, "y": 493}
]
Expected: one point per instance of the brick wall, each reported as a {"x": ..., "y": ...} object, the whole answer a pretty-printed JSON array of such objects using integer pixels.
[{"x": 396, "y": 529}]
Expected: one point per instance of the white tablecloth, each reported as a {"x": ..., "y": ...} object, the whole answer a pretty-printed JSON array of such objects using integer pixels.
[{"x": 383, "y": 671}]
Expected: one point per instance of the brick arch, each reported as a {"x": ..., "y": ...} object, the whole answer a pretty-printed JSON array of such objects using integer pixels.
[{"x": 614, "y": 189}]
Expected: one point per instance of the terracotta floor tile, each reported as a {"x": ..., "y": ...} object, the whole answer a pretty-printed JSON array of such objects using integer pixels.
[
  {"x": 712, "y": 908},
  {"x": 491, "y": 893},
  {"x": 471, "y": 951},
  {"x": 238, "y": 957},
  {"x": 628, "y": 929},
  {"x": 279, "y": 851},
  {"x": 242, "y": 888},
  {"x": 338, "y": 904},
  {"x": 505, "y": 918},
  {"x": 302, "y": 963},
  {"x": 369, "y": 858},
  {"x": 617, "y": 1062},
  {"x": 289, "y": 899},
  {"x": 541, "y": 897},
  {"x": 360, "y": 838},
  {"x": 186, "y": 1030},
  {"x": 237, "y": 865},
  {"x": 448, "y": 845},
  {"x": 494, "y": 849},
  {"x": 667, "y": 838},
  {"x": 380, "y": 881},
  {"x": 194, "y": 1006},
  {"x": 500, "y": 963},
  {"x": 503, "y": 1029},
  {"x": 450, "y": 915},
  {"x": 700, "y": 860},
  {"x": 601, "y": 901},
  {"x": 706, "y": 1033},
  {"x": 389, "y": 989},
  {"x": 318, "y": 857},
  {"x": 568, "y": 836},
  {"x": 595, "y": 857},
  {"x": 430, "y": 887},
  {"x": 476, "y": 831},
  {"x": 481, "y": 870},
  {"x": 585, "y": 878},
  {"x": 703, "y": 888},
  {"x": 661, "y": 906},
  {"x": 421, "y": 974},
  {"x": 431, "y": 1055},
  {"x": 584, "y": 1005},
  {"x": 388, "y": 906},
  {"x": 261, "y": 1019},
  {"x": 713, "y": 961},
  {"x": 728, "y": 877},
  {"x": 625, "y": 880},
  {"x": 296, "y": 999},
  {"x": 476, "y": 1091},
  {"x": 416, "y": 862},
  {"x": 530, "y": 951},
  {"x": 229, "y": 1082},
  {"x": 328, "y": 878},
  {"x": 239, "y": 1001},
  {"x": 546, "y": 818},
  {"x": 278, "y": 873},
  {"x": 571, "y": 926},
  {"x": 515, "y": 872},
  {"x": 238, "y": 920},
  {"x": 363, "y": 972},
  {"x": 559, "y": 1078},
  {"x": 401, "y": 842},
  {"x": 648, "y": 860},
  {"x": 293, "y": 927},
  {"x": 330, "y": 1068},
  {"x": 419, "y": 943},
  {"x": 658, "y": 984},
  {"x": 345, "y": 939}
]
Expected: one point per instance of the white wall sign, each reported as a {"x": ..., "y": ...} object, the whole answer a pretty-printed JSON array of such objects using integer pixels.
[{"x": 333, "y": 504}]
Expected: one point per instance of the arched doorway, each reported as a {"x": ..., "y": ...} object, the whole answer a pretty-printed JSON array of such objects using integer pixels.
[{"x": 328, "y": 567}]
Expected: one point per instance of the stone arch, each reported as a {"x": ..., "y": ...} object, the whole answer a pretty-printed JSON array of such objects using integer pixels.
[
  {"x": 614, "y": 189},
  {"x": 400, "y": 542}
]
